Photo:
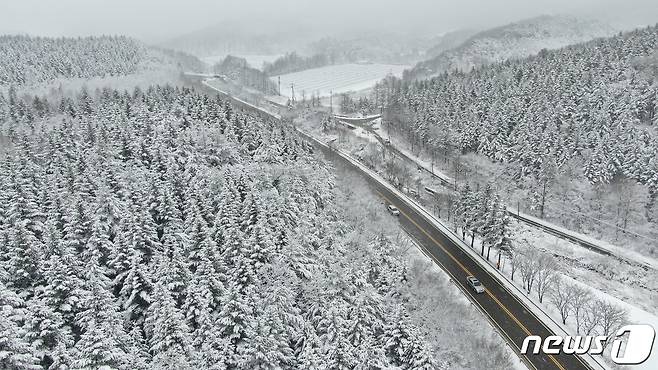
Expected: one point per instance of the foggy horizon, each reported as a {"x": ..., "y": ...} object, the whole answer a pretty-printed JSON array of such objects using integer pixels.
[
  {"x": 159, "y": 21},
  {"x": 412, "y": 185}
]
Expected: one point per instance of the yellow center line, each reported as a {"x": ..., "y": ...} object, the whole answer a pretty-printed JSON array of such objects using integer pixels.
[
  {"x": 508, "y": 312},
  {"x": 502, "y": 306},
  {"x": 473, "y": 300}
]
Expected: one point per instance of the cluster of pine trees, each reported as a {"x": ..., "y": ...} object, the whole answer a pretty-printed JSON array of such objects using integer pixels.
[
  {"x": 162, "y": 229},
  {"x": 239, "y": 71},
  {"x": 592, "y": 106},
  {"x": 362, "y": 104},
  {"x": 482, "y": 213},
  {"x": 293, "y": 62},
  {"x": 28, "y": 60}
]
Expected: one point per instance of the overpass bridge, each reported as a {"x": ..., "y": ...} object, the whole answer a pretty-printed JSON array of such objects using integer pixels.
[{"x": 357, "y": 120}]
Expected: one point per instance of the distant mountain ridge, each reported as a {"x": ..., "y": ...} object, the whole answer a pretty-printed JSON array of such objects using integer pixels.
[
  {"x": 449, "y": 40},
  {"x": 515, "y": 40},
  {"x": 234, "y": 38}
]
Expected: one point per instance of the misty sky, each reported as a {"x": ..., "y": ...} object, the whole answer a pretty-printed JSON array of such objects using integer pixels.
[{"x": 157, "y": 20}]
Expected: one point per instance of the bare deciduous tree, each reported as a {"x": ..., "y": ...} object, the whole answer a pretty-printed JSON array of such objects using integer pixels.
[
  {"x": 528, "y": 270},
  {"x": 626, "y": 200},
  {"x": 579, "y": 302},
  {"x": 611, "y": 317},
  {"x": 371, "y": 155},
  {"x": 515, "y": 261},
  {"x": 591, "y": 317},
  {"x": 562, "y": 297},
  {"x": 547, "y": 269},
  {"x": 404, "y": 175},
  {"x": 390, "y": 167}
]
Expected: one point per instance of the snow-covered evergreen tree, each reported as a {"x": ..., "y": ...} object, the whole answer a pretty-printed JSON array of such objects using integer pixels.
[
  {"x": 147, "y": 230},
  {"x": 167, "y": 329},
  {"x": 15, "y": 351},
  {"x": 103, "y": 342}
]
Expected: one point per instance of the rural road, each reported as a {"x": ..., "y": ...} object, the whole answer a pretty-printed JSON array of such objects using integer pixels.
[
  {"x": 504, "y": 310},
  {"x": 507, "y": 313},
  {"x": 445, "y": 181}
]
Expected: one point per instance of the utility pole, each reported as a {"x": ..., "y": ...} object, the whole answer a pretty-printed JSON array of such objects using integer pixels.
[
  {"x": 331, "y": 101},
  {"x": 279, "y": 85},
  {"x": 244, "y": 72},
  {"x": 292, "y": 93}
]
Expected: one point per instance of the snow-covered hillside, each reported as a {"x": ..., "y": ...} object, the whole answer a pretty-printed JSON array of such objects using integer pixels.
[
  {"x": 33, "y": 63},
  {"x": 449, "y": 40},
  {"x": 514, "y": 40},
  {"x": 572, "y": 131}
]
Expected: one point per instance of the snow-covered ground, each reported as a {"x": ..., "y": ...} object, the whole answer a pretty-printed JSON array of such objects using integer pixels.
[
  {"x": 455, "y": 329},
  {"x": 255, "y": 61},
  {"x": 141, "y": 79},
  {"x": 398, "y": 144},
  {"x": 625, "y": 285},
  {"x": 337, "y": 78},
  {"x": 617, "y": 283},
  {"x": 635, "y": 315},
  {"x": 621, "y": 280},
  {"x": 277, "y": 99}
]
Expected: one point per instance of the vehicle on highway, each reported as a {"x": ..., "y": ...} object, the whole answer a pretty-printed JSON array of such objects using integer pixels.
[
  {"x": 393, "y": 210},
  {"x": 475, "y": 284}
]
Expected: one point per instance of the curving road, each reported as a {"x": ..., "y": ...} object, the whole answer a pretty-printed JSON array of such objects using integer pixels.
[{"x": 507, "y": 313}]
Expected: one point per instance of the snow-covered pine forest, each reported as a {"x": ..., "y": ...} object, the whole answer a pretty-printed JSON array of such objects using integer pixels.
[
  {"x": 28, "y": 60},
  {"x": 574, "y": 129},
  {"x": 162, "y": 229}
]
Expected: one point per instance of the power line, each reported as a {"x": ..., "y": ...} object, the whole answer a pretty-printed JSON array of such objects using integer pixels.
[{"x": 572, "y": 211}]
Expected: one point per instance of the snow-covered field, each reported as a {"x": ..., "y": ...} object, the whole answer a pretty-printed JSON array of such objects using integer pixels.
[
  {"x": 255, "y": 61},
  {"x": 337, "y": 78}
]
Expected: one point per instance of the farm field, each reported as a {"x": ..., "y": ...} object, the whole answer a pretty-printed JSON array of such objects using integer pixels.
[{"x": 337, "y": 78}]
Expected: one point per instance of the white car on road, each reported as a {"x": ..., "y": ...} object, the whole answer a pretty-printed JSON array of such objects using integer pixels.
[
  {"x": 475, "y": 284},
  {"x": 393, "y": 210}
]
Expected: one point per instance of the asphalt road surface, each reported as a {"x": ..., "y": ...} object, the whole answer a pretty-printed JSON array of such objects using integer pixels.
[{"x": 505, "y": 311}]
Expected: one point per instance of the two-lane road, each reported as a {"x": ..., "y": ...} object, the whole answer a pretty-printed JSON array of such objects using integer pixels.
[
  {"x": 505, "y": 311},
  {"x": 511, "y": 317}
]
